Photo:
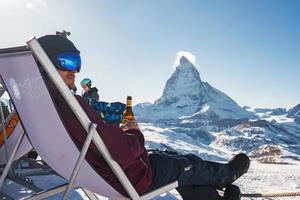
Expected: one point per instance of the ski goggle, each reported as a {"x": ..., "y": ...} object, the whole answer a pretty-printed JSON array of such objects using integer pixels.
[{"x": 69, "y": 61}]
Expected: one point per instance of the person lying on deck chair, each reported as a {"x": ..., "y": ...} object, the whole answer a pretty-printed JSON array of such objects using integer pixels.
[{"x": 146, "y": 170}]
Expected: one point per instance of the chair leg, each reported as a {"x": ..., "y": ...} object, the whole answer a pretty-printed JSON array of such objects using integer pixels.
[{"x": 83, "y": 152}]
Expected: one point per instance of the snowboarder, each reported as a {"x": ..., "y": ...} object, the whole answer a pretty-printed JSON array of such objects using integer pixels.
[
  {"x": 89, "y": 92},
  {"x": 146, "y": 170}
]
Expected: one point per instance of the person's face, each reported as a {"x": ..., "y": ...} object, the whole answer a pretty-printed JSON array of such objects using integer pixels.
[
  {"x": 68, "y": 77},
  {"x": 85, "y": 88}
]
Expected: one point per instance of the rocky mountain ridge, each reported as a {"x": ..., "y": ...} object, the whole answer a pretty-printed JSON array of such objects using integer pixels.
[{"x": 192, "y": 109}]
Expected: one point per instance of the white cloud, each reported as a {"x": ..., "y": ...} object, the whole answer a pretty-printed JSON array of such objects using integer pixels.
[
  {"x": 186, "y": 54},
  {"x": 30, "y": 5},
  {"x": 40, "y": 2},
  {"x": 34, "y": 3}
]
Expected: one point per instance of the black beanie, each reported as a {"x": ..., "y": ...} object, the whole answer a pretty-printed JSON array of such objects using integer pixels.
[{"x": 54, "y": 44}]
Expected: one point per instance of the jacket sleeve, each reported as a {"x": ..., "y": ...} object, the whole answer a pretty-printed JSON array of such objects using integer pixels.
[
  {"x": 111, "y": 113},
  {"x": 95, "y": 95},
  {"x": 124, "y": 147}
]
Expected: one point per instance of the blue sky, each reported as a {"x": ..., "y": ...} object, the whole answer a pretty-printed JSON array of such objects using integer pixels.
[{"x": 248, "y": 49}]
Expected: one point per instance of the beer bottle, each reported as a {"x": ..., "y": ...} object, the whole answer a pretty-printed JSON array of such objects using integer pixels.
[{"x": 128, "y": 114}]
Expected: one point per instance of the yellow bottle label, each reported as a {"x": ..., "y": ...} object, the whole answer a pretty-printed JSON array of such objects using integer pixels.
[{"x": 129, "y": 102}]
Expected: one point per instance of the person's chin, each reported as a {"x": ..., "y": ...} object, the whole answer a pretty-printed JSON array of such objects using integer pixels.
[{"x": 71, "y": 86}]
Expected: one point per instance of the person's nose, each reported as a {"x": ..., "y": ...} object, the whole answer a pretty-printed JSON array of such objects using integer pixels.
[{"x": 73, "y": 72}]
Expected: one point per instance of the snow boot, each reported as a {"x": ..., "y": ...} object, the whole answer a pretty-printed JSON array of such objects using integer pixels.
[
  {"x": 232, "y": 192},
  {"x": 193, "y": 192},
  {"x": 236, "y": 167},
  {"x": 239, "y": 165}
]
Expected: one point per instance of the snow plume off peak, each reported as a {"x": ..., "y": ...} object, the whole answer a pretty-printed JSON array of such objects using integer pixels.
[{"x": 185, "y": 59}]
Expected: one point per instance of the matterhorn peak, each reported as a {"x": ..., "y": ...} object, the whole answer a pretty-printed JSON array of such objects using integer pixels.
[
  {"x": 187, "y": 97},
  {"x": 185, "y": 62},
  {"x": 184, "y": 86}
]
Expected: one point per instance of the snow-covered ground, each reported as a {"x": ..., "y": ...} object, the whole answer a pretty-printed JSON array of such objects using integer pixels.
[
  {"x": 265, "y": 178},
  {"x": 261, "y": 178},
  {"x": 271, "y": 178}
]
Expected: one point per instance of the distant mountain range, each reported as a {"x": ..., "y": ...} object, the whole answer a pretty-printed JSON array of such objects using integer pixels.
[{"x": 194, "y": 108}]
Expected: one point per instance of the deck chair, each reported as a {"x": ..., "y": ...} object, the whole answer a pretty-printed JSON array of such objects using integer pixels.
[
  {"x": 12, "y": 138},
  {"x": 14, "y": 146},
  {"x": 47, "y": 133}
]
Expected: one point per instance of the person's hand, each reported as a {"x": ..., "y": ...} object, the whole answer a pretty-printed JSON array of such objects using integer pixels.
[{"x": 129, "y": 124}]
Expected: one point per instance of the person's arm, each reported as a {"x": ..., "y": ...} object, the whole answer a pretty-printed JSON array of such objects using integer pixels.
[
  {"x": 123, "y": 146},
  {"x": 95, "y": 95},
  {"x": 111, "y": 113},
  {"x": 138, "y": 133}
]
